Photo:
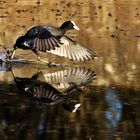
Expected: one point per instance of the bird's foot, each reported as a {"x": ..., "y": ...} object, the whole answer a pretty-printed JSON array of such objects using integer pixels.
[
  {"x": 42, "y": 60},
  {"x": 51, "y": 64}
]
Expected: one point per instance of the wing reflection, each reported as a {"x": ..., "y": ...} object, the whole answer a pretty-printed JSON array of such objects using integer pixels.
[
  {"x": 64, "y": 79},
  {"x": 39, "y": 90},
  {"x": 44, "y": 93}
]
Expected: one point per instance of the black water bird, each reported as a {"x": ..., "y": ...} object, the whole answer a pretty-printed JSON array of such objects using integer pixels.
[{"x": 53, "y": 40}]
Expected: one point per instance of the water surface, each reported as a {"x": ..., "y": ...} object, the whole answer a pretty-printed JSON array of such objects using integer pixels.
[{"x": 109, "y": 104}]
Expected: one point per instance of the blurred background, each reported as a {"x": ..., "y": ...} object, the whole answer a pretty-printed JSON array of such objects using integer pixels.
[{"x": 110, "y": 110}]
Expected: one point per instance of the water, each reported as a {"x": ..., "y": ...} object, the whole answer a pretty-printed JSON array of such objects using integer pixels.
[
  {"x": 104, "y": 112},
  {"x": 108, "y": 103}
]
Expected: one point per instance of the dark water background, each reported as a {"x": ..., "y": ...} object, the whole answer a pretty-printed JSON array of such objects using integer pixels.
[{"x": 109, "y": 104}]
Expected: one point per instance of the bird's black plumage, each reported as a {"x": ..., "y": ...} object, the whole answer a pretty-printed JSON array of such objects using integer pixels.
[
  {"x": 38, "y": 90},
  {"x": 38, "y": 38}
]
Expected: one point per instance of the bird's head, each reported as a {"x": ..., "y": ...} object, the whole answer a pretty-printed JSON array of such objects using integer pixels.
[
  {"x": 71, "y": 106},
  {"x": 17, "y": 44},
  {"x": 68, "y": 25}
]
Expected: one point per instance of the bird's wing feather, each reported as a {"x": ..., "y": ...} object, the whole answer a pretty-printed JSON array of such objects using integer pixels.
[
  {"x": 64, "y": 79},
  {"x": 41, "y": 39},
  {"x": 73, "y": 50},
  {"x": 42, "y": 92}
]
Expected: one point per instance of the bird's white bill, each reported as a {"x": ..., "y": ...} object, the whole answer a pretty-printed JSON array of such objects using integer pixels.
[
  {"x": 75, "y": 26},
  {"x": 76, "y": 107},
  {"x": 13, "y": 54}
]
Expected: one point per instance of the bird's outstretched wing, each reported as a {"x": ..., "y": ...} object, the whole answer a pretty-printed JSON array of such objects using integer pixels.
[
  {"x": 42, "y": 93},
  {"x": 64, "y": 79},
  {"x": 39, "y": 38},
  {"x": 73, "y": 50},
  {"x": 38, "y": 90}
]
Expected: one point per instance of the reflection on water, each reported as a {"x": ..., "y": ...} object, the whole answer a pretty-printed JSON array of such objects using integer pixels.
[
  {"x": 41, "y": 127},
  {"x": 3, "y": 67},
  {"x": 114, "y": 110},
  {"x": 63, "y": 79},
  {"x": 44, "y": 93},
  {"x": 23, "y": 118},
  {"x": 94, "y": 112}
]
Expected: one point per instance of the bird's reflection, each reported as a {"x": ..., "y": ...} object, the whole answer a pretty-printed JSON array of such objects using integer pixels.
[
  {"x": 114, "y": 111},
  {"x": 41, "y": 126},
  {"x": 43, "y": 92}
]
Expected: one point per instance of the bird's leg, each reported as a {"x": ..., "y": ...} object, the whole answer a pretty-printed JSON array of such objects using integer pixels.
[
  {"x": 44, "y": 61},
  {"x": 40, "y": 59}
]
